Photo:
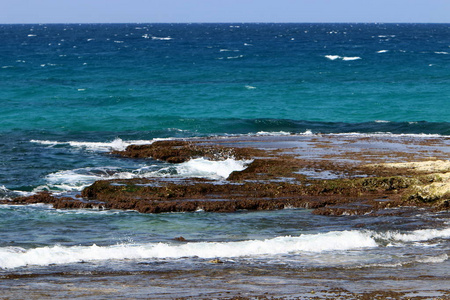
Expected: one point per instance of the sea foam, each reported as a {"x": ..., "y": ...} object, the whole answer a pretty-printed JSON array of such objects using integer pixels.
[
  {"x": 14, "y": 257},
  {"x": 78, "y": 179},
  {"x": 351, "y": 58},
  {"x": 117, "y": 144},
  {"x": 345, "y": 58},
  {"x": 416, "y": 236},
  {"x": 201, "y": 167}
]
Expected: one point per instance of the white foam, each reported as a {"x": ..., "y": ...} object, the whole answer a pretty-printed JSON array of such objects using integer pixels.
[
  {"x": 14, "y": 257},
  {"x": 4, "y": 192},
  {"x": 382, "y": 51},
  {"x": 250, "y": 87},
  {"x": 332, "y": 57},
  {"x": 168, "y": 38},
  {"x": 434, "y": 259},
  {"x": 117, "y": 144},
  {"x": 351, "y": 58},
  {"x": 442, "y": 52},
  {"x": 416, "y": 236},
  {"x": 228, "y": 50},
  {"x": 204, "y": 168},
  {"x": 346, "y": 58},
  {"x": 235, "y": 57},
  {"x": 307, "y": 132},
  {"x": 276, "y": 133},
  {"x": 78, "y": 179}
]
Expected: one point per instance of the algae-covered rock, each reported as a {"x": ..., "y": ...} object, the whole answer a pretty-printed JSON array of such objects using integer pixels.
[
  {"x": 178, "y": 151},
  {"x": 429, "y": 166},
  {"x": 436, "y": 191},
  {"x": 389, "y": 183}
]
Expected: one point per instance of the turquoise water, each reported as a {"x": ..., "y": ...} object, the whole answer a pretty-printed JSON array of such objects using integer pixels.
[
  {"x": 211, "y": 78},
  {"x": 71, "y": 93}
]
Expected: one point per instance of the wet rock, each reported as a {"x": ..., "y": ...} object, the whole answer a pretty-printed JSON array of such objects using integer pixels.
[
  {"x": 177, "y": 151},
  {"x": 271, "y": 181}
]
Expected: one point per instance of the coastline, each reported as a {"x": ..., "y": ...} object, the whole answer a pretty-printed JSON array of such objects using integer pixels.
[{"x": 332, "y": 174}]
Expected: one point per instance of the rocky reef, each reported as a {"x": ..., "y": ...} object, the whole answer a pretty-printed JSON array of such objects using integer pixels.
[{"x": 275, "y": 179}]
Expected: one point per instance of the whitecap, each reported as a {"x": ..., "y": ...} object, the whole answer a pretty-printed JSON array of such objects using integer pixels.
[
  {"x": 168, "y": 38},
  {"x": 351, "y": 58},
  {"x": 250, "y": 87},
  {"x": 382, "y": 51},
  {"x": 235, "y": 57},
  {"x": 332, "y": 57}
]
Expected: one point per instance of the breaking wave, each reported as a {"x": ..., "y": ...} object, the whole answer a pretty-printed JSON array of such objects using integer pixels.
[
  {"x": 14, "y": 257},
  {"x": 345, "y": 58},
  {"x": 77, "y": 179}
]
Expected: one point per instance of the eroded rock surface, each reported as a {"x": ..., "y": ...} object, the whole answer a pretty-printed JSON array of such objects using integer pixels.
[{"x": 275, "y": 179}]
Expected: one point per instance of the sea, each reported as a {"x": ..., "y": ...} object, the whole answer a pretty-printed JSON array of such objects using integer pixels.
[{"x": 70, "y": 93}]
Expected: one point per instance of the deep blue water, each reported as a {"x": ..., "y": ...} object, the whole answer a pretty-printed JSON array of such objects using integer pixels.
[
  {"x": 220, "y": 78},
  {"x": 69, "y": 93}
]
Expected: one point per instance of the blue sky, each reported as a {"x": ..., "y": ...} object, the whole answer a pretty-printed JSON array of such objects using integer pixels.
[{"x": 155, "y": 11}]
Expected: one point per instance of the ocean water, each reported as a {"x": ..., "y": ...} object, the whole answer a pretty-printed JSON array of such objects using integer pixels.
[{"x": 72, "y": 92}]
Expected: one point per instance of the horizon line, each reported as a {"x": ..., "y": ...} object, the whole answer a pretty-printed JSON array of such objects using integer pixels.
[{"x": 207, "y": 22}]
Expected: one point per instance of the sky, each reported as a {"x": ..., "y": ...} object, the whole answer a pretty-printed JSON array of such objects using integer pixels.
[{"x": 226, "y": 11}]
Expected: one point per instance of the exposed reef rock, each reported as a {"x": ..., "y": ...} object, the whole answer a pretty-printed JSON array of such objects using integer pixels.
[
  {"x": 177, "y": 151},
  {"x": 435, "y": 185},
  {"x": 274, "y": 179}
]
